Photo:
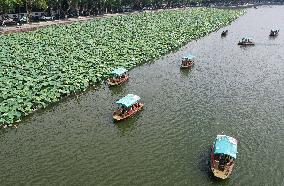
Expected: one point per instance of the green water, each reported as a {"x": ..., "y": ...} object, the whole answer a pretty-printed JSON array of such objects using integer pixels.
[{"x": 233, "y": 90}]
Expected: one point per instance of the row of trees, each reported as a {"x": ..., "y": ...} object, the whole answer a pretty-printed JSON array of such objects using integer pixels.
[{"x": 99, "y": 6}]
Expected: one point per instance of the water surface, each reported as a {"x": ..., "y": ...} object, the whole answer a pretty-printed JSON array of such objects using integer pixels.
[{"x": 233, "y": 90}]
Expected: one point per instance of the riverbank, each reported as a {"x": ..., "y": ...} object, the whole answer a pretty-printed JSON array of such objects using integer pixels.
[
  {"x": 41, "y": 67},
  {"x": 43, "y": 24}
]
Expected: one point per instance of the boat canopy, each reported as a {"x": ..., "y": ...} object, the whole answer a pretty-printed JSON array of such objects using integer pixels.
[
  {"x": 189, "y": 56},
  {"x": 128, "y": 100},
  {"x": 119, "y": 71},
  {"x": 225, "y": 145}
]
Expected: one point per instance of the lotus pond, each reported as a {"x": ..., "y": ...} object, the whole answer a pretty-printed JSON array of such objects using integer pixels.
[{"x": 39, "y": 68}]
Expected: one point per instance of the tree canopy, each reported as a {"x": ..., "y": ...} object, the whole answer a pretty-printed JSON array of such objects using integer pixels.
[{"x": 104, "y": 6}]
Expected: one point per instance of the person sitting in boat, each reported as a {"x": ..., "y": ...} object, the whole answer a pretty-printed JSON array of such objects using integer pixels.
[
  {"x": 230, "y": 161},
  {"x": 123, "y": 111},
  {"x": 130, "y": 111},
  {"x": 123, "y": 75},
  {"x": 134, "y": 106}
]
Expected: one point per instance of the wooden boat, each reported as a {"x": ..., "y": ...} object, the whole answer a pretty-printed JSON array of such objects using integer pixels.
[
  {"x": 128, "y": 106},
  {"x": 224, "y": 33},
  {"x": 223, "y": 156},
  {"x": 187, "y": 61},
  {"x": 274, "y": 33},
  {"x": 246, "y": 41},
  {"x": 119, "y": 76}
]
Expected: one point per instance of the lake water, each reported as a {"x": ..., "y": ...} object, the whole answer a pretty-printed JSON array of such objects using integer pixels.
[{"x": 238, "y": 91}]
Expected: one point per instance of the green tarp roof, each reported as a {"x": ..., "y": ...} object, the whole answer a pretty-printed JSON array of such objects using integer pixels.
[
  {"x": 128, "y": 100},
  {"x": 119, "y": 71},
  {"x": 189, "y": 56},
  {"x": 225, "y": 145}
]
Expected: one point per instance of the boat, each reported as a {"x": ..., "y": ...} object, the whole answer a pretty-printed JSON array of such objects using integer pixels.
[
  {"x": 223, "y": 156},
  {"x": 118, "y": 76},
  {"x": 224, "y": 33},
  {"x": 128, "y": 106},
  {"x": 246, "y": 41},
  {"x": 274, "y": 33},
  {"x": 187, "y": 61}
]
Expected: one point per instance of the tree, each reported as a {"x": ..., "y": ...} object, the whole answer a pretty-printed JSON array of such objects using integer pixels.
[
  {"x": 30, "y": 4},
  {"x": 8, "y": 5}
]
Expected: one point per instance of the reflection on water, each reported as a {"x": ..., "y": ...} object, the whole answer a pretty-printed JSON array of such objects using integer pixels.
[
  {"x": 231, "y": 89},
  {"x": 185, "y": 73},
  {"x": 125, "y": 127}
]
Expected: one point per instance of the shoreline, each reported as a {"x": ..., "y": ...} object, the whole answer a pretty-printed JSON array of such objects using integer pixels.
[
  {"x": 44, "y": 24},
  {"x": 39, "y": 25}
]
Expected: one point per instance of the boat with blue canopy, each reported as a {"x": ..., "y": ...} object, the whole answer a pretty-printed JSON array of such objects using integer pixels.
[
  {"x": 223, "y": 156},
  {"x": 128, "y": 106},
  {"x": 187, "y": 61},
  {"x": 246, "y": 41},
  {"x": 118, "y": 76}
]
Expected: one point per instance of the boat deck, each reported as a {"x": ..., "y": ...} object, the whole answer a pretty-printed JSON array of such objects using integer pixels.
[{"x": 223, "y": 174}]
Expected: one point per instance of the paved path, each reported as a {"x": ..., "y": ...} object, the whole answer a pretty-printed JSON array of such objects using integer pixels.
[{"x": 35, "y": 26}]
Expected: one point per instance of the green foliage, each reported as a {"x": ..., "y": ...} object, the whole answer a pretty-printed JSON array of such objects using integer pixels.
[
  {"x": 8, "y": 5},
  {"x": 38, "y": 68}
]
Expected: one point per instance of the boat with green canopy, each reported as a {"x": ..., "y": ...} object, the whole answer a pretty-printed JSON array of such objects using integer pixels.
[
  {"x": 274, "y": 33},
  {"x": 223, "y": 156},
  {"x": 128, "y": 106},
  {"x": 246, "y": 41},
  {"x": 118, "y": 76},
  {"x": 187, "y": 61},
  {"x": 224, "y": 33}
]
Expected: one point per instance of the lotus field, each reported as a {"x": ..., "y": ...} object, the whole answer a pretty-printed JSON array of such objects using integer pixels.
[{"x": 40, "y": 67}]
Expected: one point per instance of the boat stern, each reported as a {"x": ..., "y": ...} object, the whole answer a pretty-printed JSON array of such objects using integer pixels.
[{"x": 220, "y": 174}]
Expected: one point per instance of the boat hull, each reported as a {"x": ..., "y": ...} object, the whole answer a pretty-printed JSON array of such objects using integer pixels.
[
  {"x": 187, "y": 66},
  {"x": 224, "y": 33},
  {"x": 274, "y": 33},
  {"x": 118, "y": 117},
  {"x": 245, "y": 44},
  {"x": 214, "y": 165},
  {"x": 110, "y": 83}
]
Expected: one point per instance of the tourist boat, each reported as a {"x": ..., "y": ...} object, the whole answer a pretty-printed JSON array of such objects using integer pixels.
[
  {"x": 223, "y": 156},
  {"x": 128, "y": 106},
  {"x": 274, "y": 33},
  {"x": 118, "y": 76},
  {"x": 224, "y": 33},
  {"x": 187, "y": 61},
  {"x": 246, "y": 41}
]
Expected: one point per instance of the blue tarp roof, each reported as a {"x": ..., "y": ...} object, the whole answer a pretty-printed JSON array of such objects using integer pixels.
[
  {"x": 128, "y": 100},
  {"x": 189, "y": 56},
  {"x": 225, "y": 145},
  {"x": 119, "y": 71}
]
